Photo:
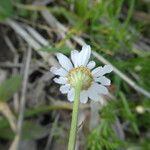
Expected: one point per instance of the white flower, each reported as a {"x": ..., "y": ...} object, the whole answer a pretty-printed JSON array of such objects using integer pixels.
[{"x": 80, "y": 68}]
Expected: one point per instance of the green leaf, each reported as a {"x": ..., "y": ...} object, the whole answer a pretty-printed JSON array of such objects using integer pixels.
[
  {"x": 70, "y": 16},
  {"x": 9, "y": 87},
  {"x": 139, "y": 66},
  {"x": 3, "y": 122},
  {"x": 30, "y": 130},
  {"x": 33, "y": 131},
  {"x": 6, "y": 9},
  {"x": 43, "y": 109},
  {"x": 129, "y": 114},
  {"x": 64, "y": 50},
  {"x": 103, "y": 137},
  {"x": 81, "y": 7}
]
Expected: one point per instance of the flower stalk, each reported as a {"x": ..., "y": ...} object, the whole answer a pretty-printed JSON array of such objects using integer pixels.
[
  {"x": 74, "y": 122},
  {"x": 80, "y": 80}
]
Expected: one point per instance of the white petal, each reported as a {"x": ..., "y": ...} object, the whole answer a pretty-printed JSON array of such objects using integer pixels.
[
  {"x": 100, "y": 71},
  {"x": 83, "y": 97},
  {"x": 97, "y": 71},
  {"x": 103, "y": 80},
  {"x": 107, "y": 69},
  {"x": 64, "y": 61},
  {"x": 60, "y": 80},
  {"x": 91, "y": 64},
  {"x": 65, "y": 88},
  {"x": 75, "y": 57},
  {"x": 71, "y": 94},
  {"x": 84, "y": 55},
  {"x": 100, "y": 89},
  {"x": 95, "y": 90},
  {"x": 92, "y": 94},
  {"x": 59, "y": 71}
]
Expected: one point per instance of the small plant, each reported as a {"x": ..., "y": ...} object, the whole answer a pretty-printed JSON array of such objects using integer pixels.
[{"x": 79, "y": 81}]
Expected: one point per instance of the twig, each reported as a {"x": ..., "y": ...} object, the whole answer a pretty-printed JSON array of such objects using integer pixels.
[
  {"x": 50, "y": 138},
  {"x": 119, "y": 129},
  {"x": 55, "y": 24},
  {"x": 37, "y": 36},
  {"x": 23, "y": 34},
  {"x": 23, "y": 97},
  {"x": 48, "y": 57},
  {"x": 5, "y": 110},
  {"x": 19, "y": 65},
  {"x": 15, "y": 70},
  {"x": 121, "y": 75},
  {"x": 10, "y": 65}
]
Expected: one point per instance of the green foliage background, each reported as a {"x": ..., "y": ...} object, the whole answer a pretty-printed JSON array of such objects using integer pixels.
[{"x": 111, "y": 28}]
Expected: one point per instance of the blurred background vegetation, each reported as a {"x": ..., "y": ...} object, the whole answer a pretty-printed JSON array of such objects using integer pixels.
[{"x": 34, "y": 113}]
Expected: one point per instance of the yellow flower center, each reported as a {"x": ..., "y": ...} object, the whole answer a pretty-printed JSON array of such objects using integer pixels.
[{"x": 80, "y": 74}]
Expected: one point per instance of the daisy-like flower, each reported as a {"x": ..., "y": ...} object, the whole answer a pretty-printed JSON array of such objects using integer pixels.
[{"x": 79, "y": 68}]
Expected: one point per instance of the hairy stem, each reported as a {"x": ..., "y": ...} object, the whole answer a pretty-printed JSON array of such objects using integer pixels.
[{"x": 74, "y": 122}]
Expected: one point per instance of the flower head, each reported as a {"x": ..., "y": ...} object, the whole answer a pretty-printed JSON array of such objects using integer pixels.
[{"x": 80, "y": 69}]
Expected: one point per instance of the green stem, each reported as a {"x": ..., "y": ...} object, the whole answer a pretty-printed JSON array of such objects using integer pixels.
[{"x": 74, "y": 122}]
